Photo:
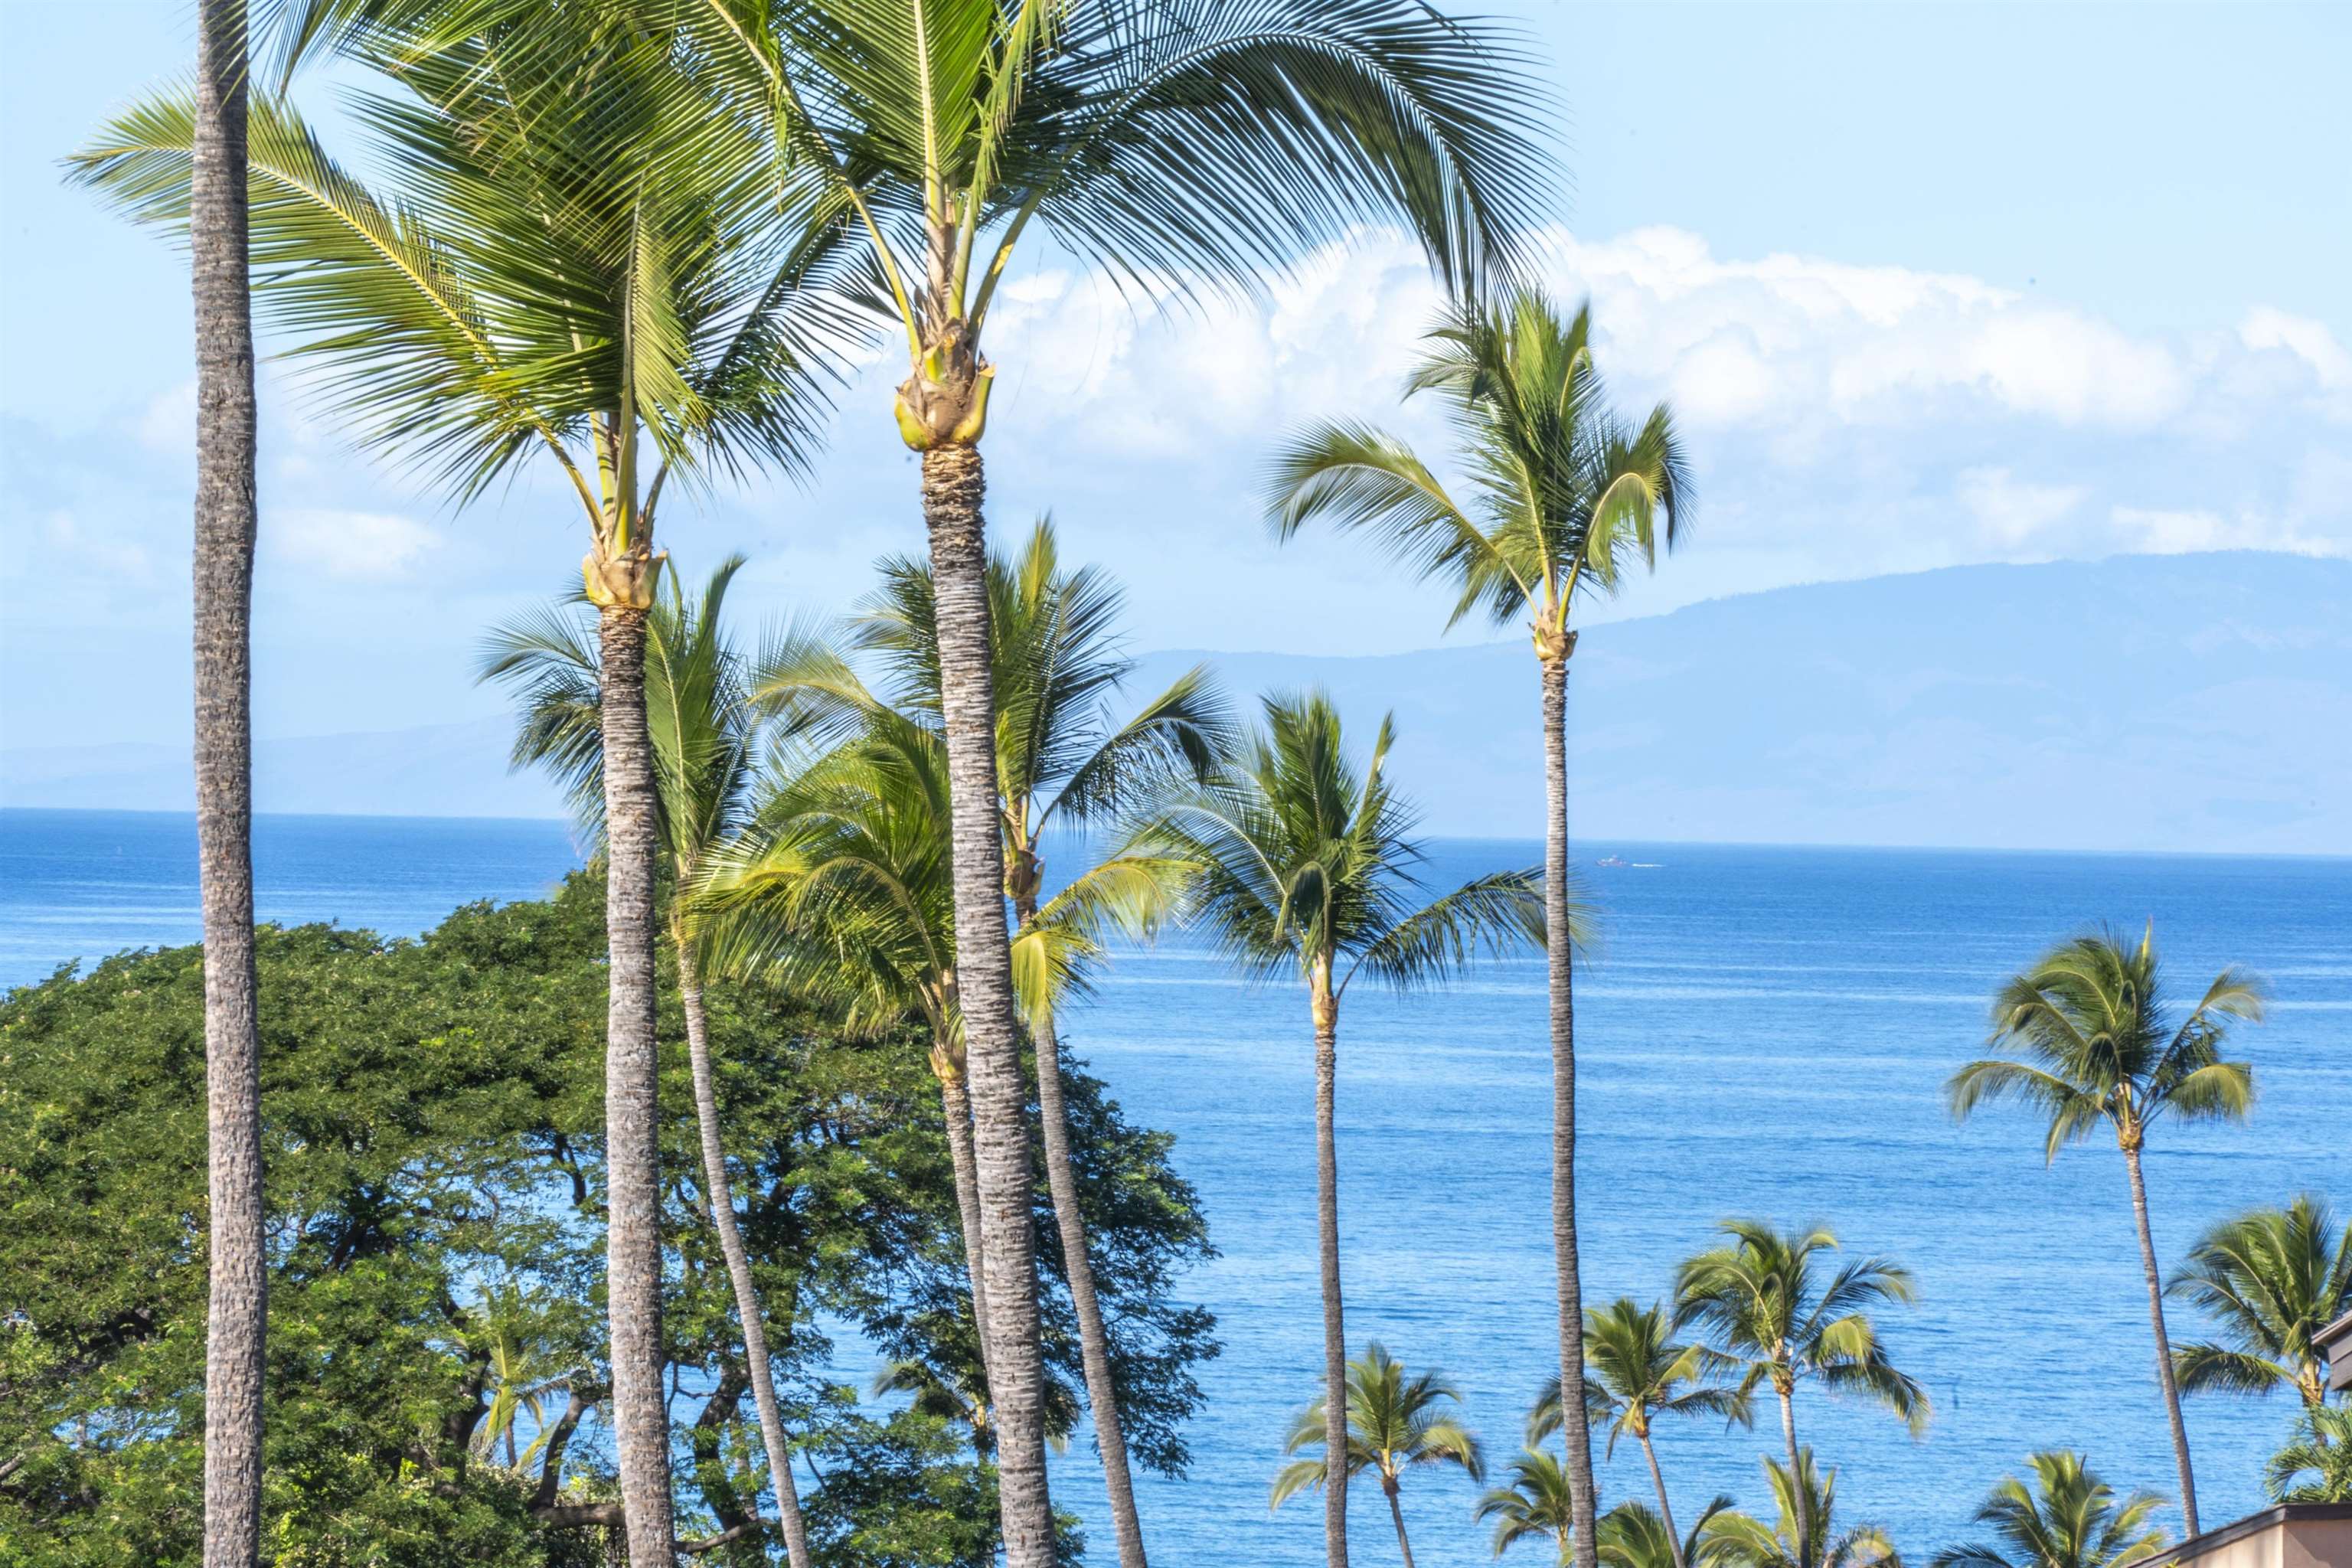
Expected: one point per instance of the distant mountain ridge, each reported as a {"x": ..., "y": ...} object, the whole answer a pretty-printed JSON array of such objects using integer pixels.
[
  {"x": 2182, "y": 702},
  {"x": 436, "y": 770}
]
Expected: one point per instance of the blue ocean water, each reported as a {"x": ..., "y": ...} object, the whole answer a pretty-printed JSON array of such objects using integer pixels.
[{"x": 1763, "y": 1031}]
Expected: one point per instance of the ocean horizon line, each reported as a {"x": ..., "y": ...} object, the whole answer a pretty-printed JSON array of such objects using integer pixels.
[{"x": 1602, "y": 840}]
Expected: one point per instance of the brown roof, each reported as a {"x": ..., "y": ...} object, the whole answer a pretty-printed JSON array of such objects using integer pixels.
[{"x": 2282, "y": 1517}]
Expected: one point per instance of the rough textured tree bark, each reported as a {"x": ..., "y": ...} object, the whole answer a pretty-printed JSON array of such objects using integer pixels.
[
  {"x": 953, "y": 487},
  {"x": 955, "y": 1110},
  {"x": 237, "y": 1303},
  {"x": 1094, "y": 1340},
  {"x": 738, "y": 1262},
  {"x": 2163, "y": 1342},
  {"x": 632, "y": 1111},
  {"x": 1327, "y": 1227},
  {"x": 1665, "y": 1508},
  {"x": 1575, "y": 1430}
]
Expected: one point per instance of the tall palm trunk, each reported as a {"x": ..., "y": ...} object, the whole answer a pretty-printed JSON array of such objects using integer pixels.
[
  {"x": 1575, "y": 1431},
  {"x": 1094, "y": 1340},
  {"x": 1327, "y": 1225},
  {"x": 953, "y": 486},
  {"x": 739, "y": 1262},
  {"x": 237, "y": 1303},
  {"x": 632, "y": 1125},
  {"x": 1396, "y": 1512},
  {"x": 1789, "y": 1435},
  {"x": 2163, "y": 1342},
  {"x": 955, "y": 1109},
  {"x": 1665, "y": 1508}
]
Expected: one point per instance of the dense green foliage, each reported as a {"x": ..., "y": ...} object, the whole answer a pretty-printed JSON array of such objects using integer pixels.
[{"x": 432, "y": 1115}]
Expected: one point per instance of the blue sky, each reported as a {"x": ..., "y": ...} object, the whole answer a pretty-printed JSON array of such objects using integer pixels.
[{"x": 1927, "y": 284}]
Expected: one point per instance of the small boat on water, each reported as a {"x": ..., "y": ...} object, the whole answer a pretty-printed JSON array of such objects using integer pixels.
[{"x": 1619, "y": 863}]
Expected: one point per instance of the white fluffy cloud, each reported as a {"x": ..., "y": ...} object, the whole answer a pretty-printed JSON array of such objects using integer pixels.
[
  {"x": 348, "y": 546},
  {"x": 1845, "y": 419},
  {"x": 1784, "y": 343}
]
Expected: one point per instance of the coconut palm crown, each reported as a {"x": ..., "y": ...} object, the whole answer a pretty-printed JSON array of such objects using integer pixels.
[
  {"x": 1306, "y": 865},
  {"x": 2270, "y": 1281},
  {"x": 1534, "y": 1505},
  {"x": 1635, "y": 1535},
  {"x": 1804, "y": 1532},
  {"x": 2315, "y": 1466},
  {"x": 1635, "y": 1373},
  {"x": 2068, "y": 1517},
  {"x": 2098, "y": 1045},
  {"x": 1395, "y": 1423},
  {"x": 1784, "y": 1319},
  {"x": 1171, "y": 145},
  {"x": 1565, "y": 496}
]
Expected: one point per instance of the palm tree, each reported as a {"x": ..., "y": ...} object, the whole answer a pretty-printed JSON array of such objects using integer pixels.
[
  {"x": 941, "y": 1395},
  {"x": 1060, "y": 761},
  {"x": 1639, "y": 1372},
  {"x": 1635, "y": 1535},
  {"x": 1771, "y": 1311},
  {"x": 1393, "y": 1423},
  {"x": 2091, "y": 1020},
  {"x": 1051, "y": 629},
  {"x": 702, "y": 734},
  {"x": 619, "y": 294},
  {"x": 2067, "y": 1519},
  {"x": 1183, "y": 144},
  {"x": 1802, "y": 1536},
  {"x": 1306, "y": 867},
  {"x": 841, "y": 885},
  {"x": 522, "y": 1373},
  {"x": 1535, "y": 1505},
  {"x": 2272, "y": 1278},
  {"x": 1565, "y": 496},
  {"x": 2322, "y": 1447}
]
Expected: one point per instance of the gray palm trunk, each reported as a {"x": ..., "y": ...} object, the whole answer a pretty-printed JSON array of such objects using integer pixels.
[
  {"x": 1789, "y": 1435},
  {"x": 955, "y": 1110},
  {"x": 237, "y": 1280},
  {"x": 1335, "y": 1328},
  {"x": 953, "y": 486},
  {"x": 1665, "y": 1508},
  {"x": 1094, "y": 1340},
  {"x": 631, "y": 1127},
  {"x": 1575, "y": 1430},
  {"x": 738, "y": 1262},
  {"x": 1396, "y": 1512},
  {"x": 2163, "y": 1342}
]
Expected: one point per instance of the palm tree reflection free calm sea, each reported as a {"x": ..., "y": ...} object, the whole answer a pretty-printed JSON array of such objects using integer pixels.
[{"x": 1765, "y": 1031}]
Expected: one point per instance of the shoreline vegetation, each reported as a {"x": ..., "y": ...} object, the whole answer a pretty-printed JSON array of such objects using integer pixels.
[{"x": 516, "y": 1245}]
